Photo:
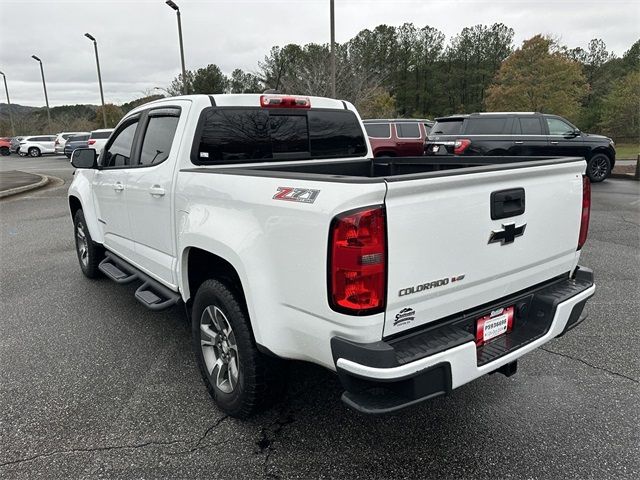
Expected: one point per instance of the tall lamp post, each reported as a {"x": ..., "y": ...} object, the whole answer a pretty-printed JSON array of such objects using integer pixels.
[
  {"x": 44, "y": 85},
  {"x": 184, "y": 72},
  {"x": 333, "y": 48},
  {"x": 6, "y": 89},
  {"x": 95, "y": 47}
]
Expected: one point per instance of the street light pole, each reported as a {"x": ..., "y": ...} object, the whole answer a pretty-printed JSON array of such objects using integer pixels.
[
  {"x": 44, "y": 85},
  {"x": 95, "y": 47},
  {"x": 333, "y": 49},
  {"x": 6, "y": 89},
  {"x": 185, "y": 88}
]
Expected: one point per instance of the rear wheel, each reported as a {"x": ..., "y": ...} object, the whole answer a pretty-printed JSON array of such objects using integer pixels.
[
  {"x": 598, "y": 167},
  {"x": 240, "y": 379},
  {"x": 34, "y": 152}
]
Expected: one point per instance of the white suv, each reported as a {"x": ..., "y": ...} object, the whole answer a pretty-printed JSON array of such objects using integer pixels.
[
  {"x": 36, "y": 146},
  {"x": 61, "y": 140},
  {"x": 98, "y": 139}
]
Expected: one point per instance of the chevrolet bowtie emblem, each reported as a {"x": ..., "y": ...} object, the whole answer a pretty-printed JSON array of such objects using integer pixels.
[{"x": 508, "y": 233}]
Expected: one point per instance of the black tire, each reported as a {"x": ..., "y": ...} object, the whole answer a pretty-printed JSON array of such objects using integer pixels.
[
  {"x": 5, "y": 152},
  {"x": 34, "y": 152},
  {"x": 259, "y": 378},
  {"x": 92, "y": 254},
  {"x": 598, "y": 167}
]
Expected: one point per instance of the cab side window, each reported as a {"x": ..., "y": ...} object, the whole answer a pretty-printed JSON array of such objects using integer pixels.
[
  {"x": 119, "y": 152},
  {"x": 558, "y": 127},
  {"x": 158, "y": 138}
]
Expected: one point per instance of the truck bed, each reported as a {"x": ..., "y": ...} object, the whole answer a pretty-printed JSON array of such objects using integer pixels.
[{"x": 388, "y": 168}]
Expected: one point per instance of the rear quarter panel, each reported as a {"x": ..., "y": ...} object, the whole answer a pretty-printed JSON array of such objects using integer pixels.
[{"x": 279, "y": 249}]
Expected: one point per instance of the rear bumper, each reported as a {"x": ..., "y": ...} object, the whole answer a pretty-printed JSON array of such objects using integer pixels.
[{"x": 386, "y": 376}]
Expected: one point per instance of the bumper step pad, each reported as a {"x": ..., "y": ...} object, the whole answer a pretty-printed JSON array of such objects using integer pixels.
[{"x": 535, "y": 311}]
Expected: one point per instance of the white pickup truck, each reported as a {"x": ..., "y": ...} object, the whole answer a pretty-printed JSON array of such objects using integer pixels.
[{"x": 269, "y": 219}]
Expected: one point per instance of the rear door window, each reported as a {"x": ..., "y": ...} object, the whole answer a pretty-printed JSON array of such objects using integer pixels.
[
  {"x": 488, "y": 126},
  {"x": 378, "y": 130},
  {"x": 158, "y": 138},
  {"x": 408, "y": 130},
  {"x": 528, "y": 126},
  {"x": 447, "y": 127},
  {"x": 245, "y": 134}
]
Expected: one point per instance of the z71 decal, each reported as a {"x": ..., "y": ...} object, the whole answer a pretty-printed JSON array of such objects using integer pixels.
[{"x": 290, "y": 194}]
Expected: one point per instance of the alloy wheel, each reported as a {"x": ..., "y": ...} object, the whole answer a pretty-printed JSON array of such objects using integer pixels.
[
  {"x": 82, "y": 244},
  {"x": 219, "y": 349}
]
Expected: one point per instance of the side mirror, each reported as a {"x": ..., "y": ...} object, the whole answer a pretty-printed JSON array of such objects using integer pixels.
[
  {"x": 84, "y": 158},
  {"x": 576, "y": 132}
]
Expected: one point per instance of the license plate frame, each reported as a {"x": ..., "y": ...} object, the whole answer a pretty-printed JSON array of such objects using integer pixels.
[{"x": 495, "y": 324}]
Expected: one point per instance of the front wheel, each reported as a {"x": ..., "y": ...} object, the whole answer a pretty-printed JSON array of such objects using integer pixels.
[
  {"x": 240, "y": 379},
  {"x": 89, "y": 253},
  {"x": 4, "y": 151},
  {"x": 34, "y": 152},
  {"x": 598, "y": 167}
]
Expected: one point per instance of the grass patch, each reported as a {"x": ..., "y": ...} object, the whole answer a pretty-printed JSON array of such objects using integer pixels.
[{"x": 627, "y": 150}]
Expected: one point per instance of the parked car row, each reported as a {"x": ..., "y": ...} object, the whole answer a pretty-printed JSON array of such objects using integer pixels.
[
  {"x": 493, "y": 134},
  {"x": 64, "y": 142}
]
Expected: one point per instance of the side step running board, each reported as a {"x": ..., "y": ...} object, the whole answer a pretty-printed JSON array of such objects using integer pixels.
[{"x": 152, "y": 294}]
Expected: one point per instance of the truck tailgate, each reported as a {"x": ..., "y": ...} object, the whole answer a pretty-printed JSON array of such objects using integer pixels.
[{"x": 440, "y": 258}]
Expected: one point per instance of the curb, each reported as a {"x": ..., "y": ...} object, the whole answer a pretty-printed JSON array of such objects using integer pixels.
[
  {"x": 25, "y": 188},
  {"x": 624, "y": 176}
]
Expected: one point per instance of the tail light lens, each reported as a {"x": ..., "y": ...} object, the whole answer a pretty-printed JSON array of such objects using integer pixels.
[
  {"x": 461, "y": 145},
  {"x": 358, "y": 261},
  {"x": 284, "y": 101},
  {"x": 91, "y": 141},
  {"x": 586, "y": 211}
]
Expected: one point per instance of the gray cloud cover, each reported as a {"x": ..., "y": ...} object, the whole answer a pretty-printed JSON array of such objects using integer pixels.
[{"x": 139, "y": 48}]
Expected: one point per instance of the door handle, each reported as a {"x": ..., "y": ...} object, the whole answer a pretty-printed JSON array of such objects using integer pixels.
[
  {"x": 553, "y": 142},
  {"x": 118, "y": 186},
  {"x": 518, "y": 142},
  {"x": 156, "y": 191}
]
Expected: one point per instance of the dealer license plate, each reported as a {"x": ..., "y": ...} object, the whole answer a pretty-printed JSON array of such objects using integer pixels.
[{"x": 497, "y": 323}]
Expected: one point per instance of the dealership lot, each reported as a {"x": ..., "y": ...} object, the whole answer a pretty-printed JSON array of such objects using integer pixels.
[{"x": 92, "y": 384}]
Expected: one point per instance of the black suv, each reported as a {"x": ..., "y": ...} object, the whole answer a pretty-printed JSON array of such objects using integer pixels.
[{"x": 515, "y": 134}]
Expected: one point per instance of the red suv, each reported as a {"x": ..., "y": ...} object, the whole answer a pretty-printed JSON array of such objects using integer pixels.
[
  {"x": 5, "y": 146},
  {"x": 402, "y": 137}
]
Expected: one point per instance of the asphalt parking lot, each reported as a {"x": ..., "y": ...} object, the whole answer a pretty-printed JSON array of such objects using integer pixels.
[{"x": 94, "y": 385}]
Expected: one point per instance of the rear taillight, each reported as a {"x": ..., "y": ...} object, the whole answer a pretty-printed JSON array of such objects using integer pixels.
[
  {"x": 284, "y": 101},
  {"x": 91, "y": 141},
  {"x": 358, "y": 261},
  {"x": 461, "y": 145},
  {"x": 586, "y": 211}
]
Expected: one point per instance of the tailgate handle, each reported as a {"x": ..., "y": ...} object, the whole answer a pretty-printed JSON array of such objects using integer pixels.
[{"x": 507, "y": 203}]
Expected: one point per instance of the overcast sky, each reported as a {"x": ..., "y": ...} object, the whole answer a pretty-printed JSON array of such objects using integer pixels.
[{"x": 138, "y": 39}]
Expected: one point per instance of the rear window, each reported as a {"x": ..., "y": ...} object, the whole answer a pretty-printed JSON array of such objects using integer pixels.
[
  {"x": 447, "y": 127},
  {"x": 486, "y": 126},
  {"x": 378, "y": 130},
  {"x": 245, "y": 134},
  {"x": 408, "y": 130},
  {"x": 100, "y": 135}
]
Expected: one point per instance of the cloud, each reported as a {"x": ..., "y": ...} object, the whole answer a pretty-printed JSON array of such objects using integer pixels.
[{"x": 138, "y": 44}]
